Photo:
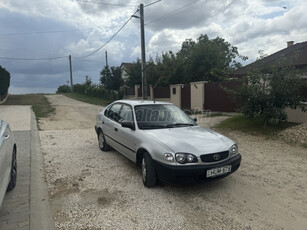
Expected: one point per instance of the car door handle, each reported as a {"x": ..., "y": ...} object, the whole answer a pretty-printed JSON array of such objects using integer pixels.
[
  {"x": 6, "y": 137},
  {"x": 116, "y": 129}
]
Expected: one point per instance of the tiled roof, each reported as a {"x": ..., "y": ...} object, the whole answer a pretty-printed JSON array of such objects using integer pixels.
[{"x": 295, "y": 55}]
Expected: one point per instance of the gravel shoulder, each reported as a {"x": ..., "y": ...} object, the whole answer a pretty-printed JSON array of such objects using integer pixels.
[{"x": 91, "y": 189}]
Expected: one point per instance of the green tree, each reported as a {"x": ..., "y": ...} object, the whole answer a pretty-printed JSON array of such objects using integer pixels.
[
  {"x": 269, "y": 90},
  {"x": 4, "y": 82},
  {"x": 63, "y": 89},
  {"x": 88, "y": 81},
  {"x": 206, "y": 59},
  {"x": 111, "y": 78},
  {"x": 134, "y": 74}
]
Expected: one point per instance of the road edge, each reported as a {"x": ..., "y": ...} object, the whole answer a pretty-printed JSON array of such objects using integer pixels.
[{"x": 40, "y": 210}]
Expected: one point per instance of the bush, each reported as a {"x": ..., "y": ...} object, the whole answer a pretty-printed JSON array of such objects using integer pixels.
[
  {"x": 93, "y": 90},
  {"x": 63, "y": 89},
  {"x": 269, "y": 91},
  {"x": 4, "y": 82}
]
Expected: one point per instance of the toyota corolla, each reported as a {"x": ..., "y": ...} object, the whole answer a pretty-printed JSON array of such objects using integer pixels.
[{"x": 166, "y": 143}]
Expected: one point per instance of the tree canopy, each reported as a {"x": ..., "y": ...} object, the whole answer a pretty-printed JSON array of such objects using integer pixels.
[
  {"x": 202, "y": 60},
  {"x": 4, "y": 81},
  {"x": 111, "y": 78}
]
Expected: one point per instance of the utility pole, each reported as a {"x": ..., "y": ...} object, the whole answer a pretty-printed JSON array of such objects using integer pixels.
[
  {"x": 71, "y": 83},
  {"x": 106, "y": 58},
  {"x": 144, "y": 79}
]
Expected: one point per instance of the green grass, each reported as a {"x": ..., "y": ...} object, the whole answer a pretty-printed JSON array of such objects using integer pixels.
[
  {"x": 88, "y": 99},
  {"x": 256, "y": 126},
  {"x": 304, "y": 145},
  {"x": 217, "y": 114},
  {"x": 40, "y": 105}
]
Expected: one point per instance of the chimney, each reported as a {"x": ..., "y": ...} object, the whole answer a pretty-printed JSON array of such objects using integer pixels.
[{"x": 290, "y": 43}]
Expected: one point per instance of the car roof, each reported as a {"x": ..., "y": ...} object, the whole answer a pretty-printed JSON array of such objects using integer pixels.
[{"x": 143, "y": 102}]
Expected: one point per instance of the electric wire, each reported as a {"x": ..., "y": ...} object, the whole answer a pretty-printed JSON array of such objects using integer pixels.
[
  {"x": 44, "y": 32},
  {"x": 152, "y": 3},
  {"x": 104, "y": 3},
  {"x": 110, "y": 37},
  {"x": 32, "y": 59},
  {"x": 59, "y": 31},
  {"x": 171, "y": 13}
]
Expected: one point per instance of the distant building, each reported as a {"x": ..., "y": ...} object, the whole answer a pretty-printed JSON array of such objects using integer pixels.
[
  {"x": 125, "y": 66},
  {"x": 294, "y": 55}
]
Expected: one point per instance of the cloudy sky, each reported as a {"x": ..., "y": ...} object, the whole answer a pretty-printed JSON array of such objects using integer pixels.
[{"x": 40, "y": 29}]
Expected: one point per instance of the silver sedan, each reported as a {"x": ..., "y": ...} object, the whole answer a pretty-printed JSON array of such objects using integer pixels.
[
  {"x": 166, "y": 143},
  {"x": 8, "y": 162}
]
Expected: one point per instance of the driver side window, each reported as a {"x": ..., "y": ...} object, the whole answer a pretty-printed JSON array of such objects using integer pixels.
[
  {"x": 126, "y": 113},
  {"x": 113, "y": 112}
]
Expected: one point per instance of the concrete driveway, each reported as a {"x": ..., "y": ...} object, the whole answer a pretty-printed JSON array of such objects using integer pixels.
[{"x": 27, "y": 206}]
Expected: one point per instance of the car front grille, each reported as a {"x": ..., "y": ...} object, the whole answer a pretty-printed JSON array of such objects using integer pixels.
[{"x": 214, "y": 157}]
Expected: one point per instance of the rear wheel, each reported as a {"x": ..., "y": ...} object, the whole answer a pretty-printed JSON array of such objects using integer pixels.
[
  {"x": 102, "y": 142},
  {"x": 148, "y": 171},
  {"x": 13, "y": 178}
]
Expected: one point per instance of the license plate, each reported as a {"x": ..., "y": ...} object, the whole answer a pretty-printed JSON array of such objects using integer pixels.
[{"x": 218, "y": 171}]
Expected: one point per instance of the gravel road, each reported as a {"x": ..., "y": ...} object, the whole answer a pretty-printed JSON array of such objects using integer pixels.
[{"x": 91, "y": 189}]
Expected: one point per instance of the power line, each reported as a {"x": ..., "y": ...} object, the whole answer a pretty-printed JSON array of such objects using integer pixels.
[
  {"x": 32, "y": 59},
  {"x": 172, "y": 12},
  {"x": 44, "y": 32},
  {"x": 152, "y": 3},
  {"x": 105, "y": 3},
  {"x": 118, "y": 30},
  {"x": 109, "y": 38}
]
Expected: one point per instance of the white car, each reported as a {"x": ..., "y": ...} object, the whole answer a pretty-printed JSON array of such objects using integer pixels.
[
  {"x": 165, "y": 142},
  {"x": 8, "y": 161}
]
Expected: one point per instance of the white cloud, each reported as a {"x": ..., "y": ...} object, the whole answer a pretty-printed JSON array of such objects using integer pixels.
[{"x": 251, "y": 25}]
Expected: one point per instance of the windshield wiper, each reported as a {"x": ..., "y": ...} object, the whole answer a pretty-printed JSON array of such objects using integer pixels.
[
  {"x": 179, "y": 125},
  {"x": 152, "y": 126}
]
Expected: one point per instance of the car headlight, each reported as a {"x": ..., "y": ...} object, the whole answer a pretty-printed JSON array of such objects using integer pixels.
[
  {"x": 183, "y": 158},
  {"x": 169, "y": 157},
  {"x": 233, "y": 150}
]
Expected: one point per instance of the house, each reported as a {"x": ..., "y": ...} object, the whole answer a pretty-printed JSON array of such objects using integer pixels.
[
  {"x": 125, "y": 66},
  {"x": 294, "y": 55}
]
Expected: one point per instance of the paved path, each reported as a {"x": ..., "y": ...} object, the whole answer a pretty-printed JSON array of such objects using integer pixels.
[{"x": 27, "y": 206}]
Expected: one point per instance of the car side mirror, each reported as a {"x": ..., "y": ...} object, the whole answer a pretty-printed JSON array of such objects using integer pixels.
[
  {"x": 195, "y": 119},
  {"x": 128, "y": 124}
]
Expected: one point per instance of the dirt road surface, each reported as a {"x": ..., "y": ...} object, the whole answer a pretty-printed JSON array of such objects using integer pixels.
[{"x": 91, "y": 189}]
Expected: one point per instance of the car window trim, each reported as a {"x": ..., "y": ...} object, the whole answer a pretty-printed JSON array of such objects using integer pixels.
[{"x": 122, "y": 104}]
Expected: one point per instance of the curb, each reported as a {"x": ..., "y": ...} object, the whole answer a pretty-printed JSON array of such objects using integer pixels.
[{"x": 40, "y": 210}]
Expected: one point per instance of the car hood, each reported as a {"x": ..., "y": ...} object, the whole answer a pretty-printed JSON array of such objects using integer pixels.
[{"x": 194, "y": 139}]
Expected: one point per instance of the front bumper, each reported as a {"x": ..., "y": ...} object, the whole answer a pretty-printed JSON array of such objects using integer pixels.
[{"x": 193, "y": 173}]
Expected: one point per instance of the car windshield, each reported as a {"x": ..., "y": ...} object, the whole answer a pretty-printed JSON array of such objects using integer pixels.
[{"x": 159, "y": 116}]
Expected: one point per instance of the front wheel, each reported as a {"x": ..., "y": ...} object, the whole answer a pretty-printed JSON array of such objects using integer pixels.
[
  {"x": 102, "y": 142},
  {"x": 13, "y": 178},
  {"x": 148, "y": 171}
]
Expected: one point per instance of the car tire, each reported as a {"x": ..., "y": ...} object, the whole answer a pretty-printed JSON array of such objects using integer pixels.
[
  {"x": 102, "y": 142},
  {"x": 13, "y": 177},
  {"x": 149, "y": 175}
]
